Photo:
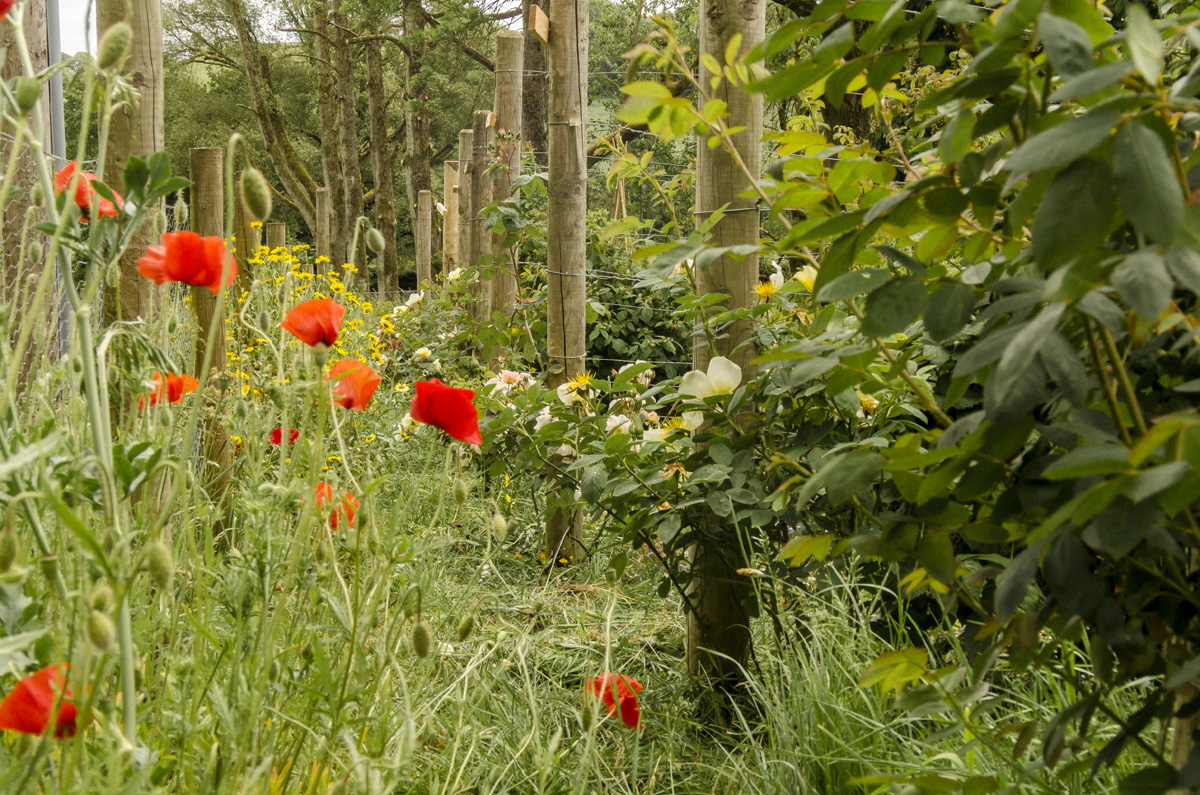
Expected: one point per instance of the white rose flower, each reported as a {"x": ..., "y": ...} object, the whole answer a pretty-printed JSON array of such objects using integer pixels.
[
  {"x": 723, "y": 377},
  {"x": 691, "y": 420},
  {"x": 454, "y": 275},
  {"x": 543, "y": 419},
  {"x": 617, "y": 423}
]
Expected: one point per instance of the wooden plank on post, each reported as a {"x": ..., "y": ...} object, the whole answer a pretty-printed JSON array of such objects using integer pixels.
[
  {"x": 464, "y": 198},
  {"x": 566, "y": 242},
  {"x": 481, "y": 195},
  {"x": 718, "y": 637},
  {"x": 539, "y": 24},
  {"x": 322, "y": 231},
  {"x": 510, "y": 51},
  {"x": 424, "y": 239},
  {"x": 450, "y": 220},
  {"x": 276, "y": 235}
]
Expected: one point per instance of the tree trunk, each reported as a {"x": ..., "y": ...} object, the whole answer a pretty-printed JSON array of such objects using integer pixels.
[
  {"x": 290, "y": 169},
  {"x": 331, "y": 164},
  {"x": 718, "y": 619},
  {"x": 534, "y": 93},
  {"x": 416, "y": 111},
  {"x": 343, "y": 46},
  {"x": 134, "y": 132},
  {"x": 381, "y": 166}
]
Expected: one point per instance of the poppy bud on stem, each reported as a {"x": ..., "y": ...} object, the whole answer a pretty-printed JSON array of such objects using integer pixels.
[
  {"x": 256, "y": 194},
  {"x": 499, "y": 527},
  {"x": 160, "y": 565},
  {"x": 466, "y": 627},
  {"x": 114, "y": 45},
  {"x": 100, "y": 631},
  {"x": 422, "y": 640},
  {"x": 8, "y": 550},
  {"x": 375, "y": 241},
  {"x": 29, "y": 91},
  {"x": 460, "y": 492}
]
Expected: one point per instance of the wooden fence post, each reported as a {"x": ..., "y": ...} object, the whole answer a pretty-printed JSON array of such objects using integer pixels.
[
  {"x": 718, "y": 617},
  {"x": 481, "y": 196},
  {"x": 450, "y": 222},
  {"x": 207, "y": 167},
  {"x": 276, "y": 235},
  {"x": 510, "y": 52},
  {"x": 566, "y": 237},
  {"x": 322, "y": 233},
  {"x": 464, "y": 197},
  {"x": 424, "y": 234}
]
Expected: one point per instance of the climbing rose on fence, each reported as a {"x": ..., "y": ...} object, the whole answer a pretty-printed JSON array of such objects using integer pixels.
[
  {"x": 624, "y": 700},
  {"x": 186, "y": 257},
  {"x": 277, "y": 436},
  {"x": 355, "y": 383},
  {"x": 84, "y": 192},
  {"x": 349, "y": 505},
  {"x": 453, "y": 410},
  {"x": 315, "y": 322},
  {"x": 171, "y": 388},
  {"x": 28, "y": 708}
]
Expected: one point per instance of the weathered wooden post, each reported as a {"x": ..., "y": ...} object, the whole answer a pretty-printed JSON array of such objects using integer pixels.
[
  {"x": 208, "y": 219},
  {"x": 481, "y": 195},
  {"x": 246, "y": 239},
  {"x": 276, "y": 235},
  {"x": 464, "y": 197},
  {"x": 322, "y": 232},
  {"x": 136, "y": 131},
  {"x": 566, "y": 249},
  {"x": 718, "y": 621},
  {"x": 424, "y": 234},
  {"x": 510, "y": 49},
  {"x": 450, "y": 221}
]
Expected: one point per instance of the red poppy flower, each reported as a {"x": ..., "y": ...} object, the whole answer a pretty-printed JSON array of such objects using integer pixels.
[
  {"x": 171, "y": 389},
  {"x": 349, "y": 505},
  {"x": 355, "y": 383},
  {"x": 624, "y": 700},
  {"x": 315, "y": 322},
  {"x": 277, "y": 436},
  {"x": 186, "y": 257},
  {"x": 29, "y": 706},
  {"x": 5, "y": 6},
  {"x": 453, "y": 410},
  {"x": 84, "y": 192}
]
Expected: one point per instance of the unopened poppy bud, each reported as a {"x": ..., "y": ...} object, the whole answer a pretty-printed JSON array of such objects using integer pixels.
[
  {"x": 422, "y": 640},
  {"x": 28, "y": 92},
  {"x": 114, "y": 45},
  {"x": 102, "y": 597},
  {"x": 49, "y": 566},
  {"x": 306, "y": 652},
  {"x": 466, "y": 627},
  {"x": 35, "y": 251},
  {"x": 375, "y": 240},
  {"x": 100, "y": 631},
  {"x": 587, "y": 718},
  {"x": 181, "y": 212},
  {"x": 8, "y": 550},
  {"x": 460, "y": 492},
  {"x": 160, "y": 221},
  {"x": 276, "y": 670},
  {"x": 256, "y": 194},
  {"x": 500, "y": 527},
  {"x": 160, "y": 565},
  {"x": 37, "y": 196}
]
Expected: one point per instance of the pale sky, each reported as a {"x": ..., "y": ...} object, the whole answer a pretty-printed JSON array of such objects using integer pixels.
[{"x": 77, "y": 25}]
